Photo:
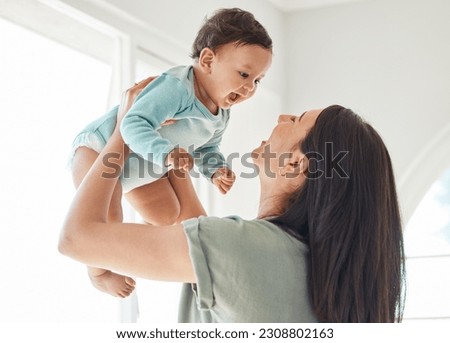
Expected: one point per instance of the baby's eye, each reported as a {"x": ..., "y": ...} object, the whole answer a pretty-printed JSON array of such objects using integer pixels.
[{"x": 244, "y": 75}]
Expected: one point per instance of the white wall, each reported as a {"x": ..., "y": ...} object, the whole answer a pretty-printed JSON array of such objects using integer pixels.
[
  {"x": 169, "y": 27},
  {"x": 388, "y": 60},
  {"x": 180, "y": 20}
]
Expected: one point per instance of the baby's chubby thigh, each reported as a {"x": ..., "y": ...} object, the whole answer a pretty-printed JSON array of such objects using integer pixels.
[{"x": 149, "y": 191}]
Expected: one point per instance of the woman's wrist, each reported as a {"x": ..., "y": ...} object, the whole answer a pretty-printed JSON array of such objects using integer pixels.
[{"x": 117, "y": 148}]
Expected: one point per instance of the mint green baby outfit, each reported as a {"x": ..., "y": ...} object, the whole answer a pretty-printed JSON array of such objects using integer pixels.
[{"x": 170, "y": 96}]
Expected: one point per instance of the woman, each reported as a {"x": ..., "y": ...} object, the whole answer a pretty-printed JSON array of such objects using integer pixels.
[{"x": 327, "y": 244}]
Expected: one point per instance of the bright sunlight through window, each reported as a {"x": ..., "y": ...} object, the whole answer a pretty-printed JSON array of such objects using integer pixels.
[
  {"x": 49, "y": 92},
  {"x": 427, "y": 244}
]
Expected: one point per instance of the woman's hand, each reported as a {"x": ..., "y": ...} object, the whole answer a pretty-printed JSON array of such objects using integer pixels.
[{"x": 179, "y": 158}]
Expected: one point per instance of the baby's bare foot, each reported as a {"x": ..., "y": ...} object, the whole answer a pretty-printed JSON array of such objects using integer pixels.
[{"x": 113, "y": 284}]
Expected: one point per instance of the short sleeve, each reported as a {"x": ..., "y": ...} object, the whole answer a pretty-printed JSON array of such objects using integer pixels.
[{"x": 203, "y": 288}]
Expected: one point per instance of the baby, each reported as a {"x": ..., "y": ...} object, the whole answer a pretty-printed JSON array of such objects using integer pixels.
[{"x": 177, "y": 120}]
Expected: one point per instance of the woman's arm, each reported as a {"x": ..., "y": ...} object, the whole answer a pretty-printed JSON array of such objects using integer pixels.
[{"x": 145, "y": 251}]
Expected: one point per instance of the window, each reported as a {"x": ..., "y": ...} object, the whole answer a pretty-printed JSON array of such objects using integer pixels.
[
  {"x": 427, "y": 244},
  {"x": 49, "y": 92}
]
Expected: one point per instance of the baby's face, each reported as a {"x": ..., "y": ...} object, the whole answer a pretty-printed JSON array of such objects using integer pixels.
[{"x": 236, "y": 72}]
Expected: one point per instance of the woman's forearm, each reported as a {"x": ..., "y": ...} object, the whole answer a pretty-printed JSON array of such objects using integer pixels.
[
  {"x": 92, "y": 200},
  {"x": 146, "y": 251}
]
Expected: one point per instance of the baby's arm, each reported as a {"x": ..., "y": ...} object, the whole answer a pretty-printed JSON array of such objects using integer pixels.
[
  {"x": 157, "y": 104},
  {"x": 212, "y": 163}
]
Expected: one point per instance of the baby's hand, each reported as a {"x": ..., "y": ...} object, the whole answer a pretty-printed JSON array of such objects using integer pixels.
[
  {"x": 180, "y": 159},
  {"x": 223, "y": 179}
]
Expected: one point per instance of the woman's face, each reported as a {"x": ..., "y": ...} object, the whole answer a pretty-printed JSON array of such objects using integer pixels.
[{"x": 274, "y": 153}]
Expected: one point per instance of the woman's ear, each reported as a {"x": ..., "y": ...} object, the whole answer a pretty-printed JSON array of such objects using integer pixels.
[
  {"x": 206, "y": 59},
  {"x": 296, "y": 165}
]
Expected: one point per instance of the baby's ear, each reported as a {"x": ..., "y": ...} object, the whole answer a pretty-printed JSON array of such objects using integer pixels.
[{"x": 206, "y": 59}]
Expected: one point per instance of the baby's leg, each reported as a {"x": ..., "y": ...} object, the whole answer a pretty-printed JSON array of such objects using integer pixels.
[
  {"x": 190, "y": 205},
  {"x": 156, "y": 202},
  {"x": 104, "y": 280},
  {"x": 167, "y": 201}
]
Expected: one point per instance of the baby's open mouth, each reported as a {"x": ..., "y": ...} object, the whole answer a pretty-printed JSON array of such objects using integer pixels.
[{"x": 233, "y": 97}]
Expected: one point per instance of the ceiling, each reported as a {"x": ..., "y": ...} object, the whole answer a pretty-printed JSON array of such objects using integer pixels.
[{"x": 294, "y": 5}]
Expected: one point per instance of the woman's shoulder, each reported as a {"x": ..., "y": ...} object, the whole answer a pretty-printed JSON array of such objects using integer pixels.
[
  {"x": 237, "y": 230},
  {"x": 229, "y": 222},
  {"x": 237, "y": 221}
]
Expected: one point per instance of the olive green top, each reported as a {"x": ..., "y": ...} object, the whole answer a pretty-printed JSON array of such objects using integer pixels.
[{"x": 247, "y": 271}]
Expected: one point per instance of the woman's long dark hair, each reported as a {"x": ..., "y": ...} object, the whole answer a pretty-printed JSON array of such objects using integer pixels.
[{"x": 347, "y": 212}]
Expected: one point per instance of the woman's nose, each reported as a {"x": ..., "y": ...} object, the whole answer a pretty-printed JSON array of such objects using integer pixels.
[{"x": 284, "y": 117}]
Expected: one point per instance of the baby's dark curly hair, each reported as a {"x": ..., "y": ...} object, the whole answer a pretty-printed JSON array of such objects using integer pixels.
[{"x": 229, "y": 25}]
